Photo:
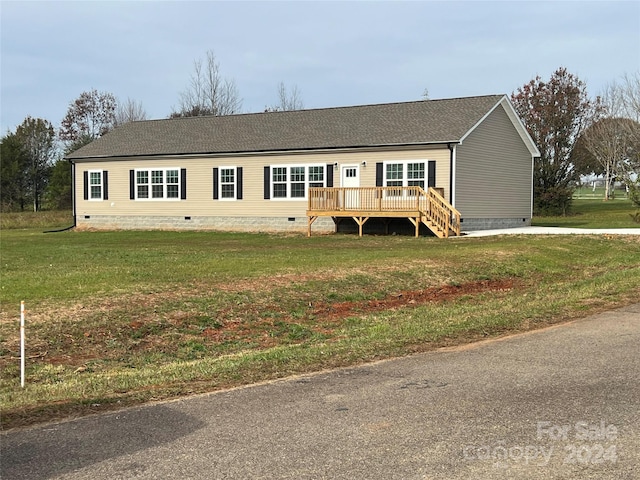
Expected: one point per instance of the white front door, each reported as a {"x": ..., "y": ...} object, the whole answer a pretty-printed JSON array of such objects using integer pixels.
[{"x": 350, "y": 178}]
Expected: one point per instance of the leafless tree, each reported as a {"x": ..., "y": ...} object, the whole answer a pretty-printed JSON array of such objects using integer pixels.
[
  {"x": 129, "y": 111},
  {"x": 631, "y": 99},
  {"x": 631, "y": 95},
  {"x": 287, "y": 99},
  {"x": 611, "y": 144},
  {"x": 208, "y": 92}
]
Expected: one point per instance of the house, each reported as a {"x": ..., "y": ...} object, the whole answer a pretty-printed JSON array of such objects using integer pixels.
[{"x": 283, "y": 171}]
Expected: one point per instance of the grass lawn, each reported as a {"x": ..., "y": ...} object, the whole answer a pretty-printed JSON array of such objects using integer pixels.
[
  {"x": 594, "y": 213},
  {"x": 120, "y": 318}
]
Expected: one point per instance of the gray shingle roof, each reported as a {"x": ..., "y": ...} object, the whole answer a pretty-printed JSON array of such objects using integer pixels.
[{"x": 420, "y": 122}]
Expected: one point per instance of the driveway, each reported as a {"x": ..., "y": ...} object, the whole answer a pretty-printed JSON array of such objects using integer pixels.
[
  {"x": 553, "y": 231},
  {"x": 561, "y": 403}
]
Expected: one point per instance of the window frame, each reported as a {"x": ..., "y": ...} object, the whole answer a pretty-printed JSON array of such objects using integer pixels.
[
  {"x": 91, "y": 198},
  {"x": 221, "y": 183},
  {"x": 292, "y": 176},
  {"x": 404, "y": 180},
  {"x": 164, "y": 184}
]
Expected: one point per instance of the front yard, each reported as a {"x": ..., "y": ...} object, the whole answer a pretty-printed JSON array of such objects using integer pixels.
[{"x": 118, "y": 318}]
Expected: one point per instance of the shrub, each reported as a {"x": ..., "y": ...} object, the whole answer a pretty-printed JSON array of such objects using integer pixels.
[{"x": 553, "y": 201}]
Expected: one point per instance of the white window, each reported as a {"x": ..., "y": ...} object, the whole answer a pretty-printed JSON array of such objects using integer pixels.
[
  {"x": 158, "y": 184},
  {"x": 404, "y": 174},
  {"x": 96, "y": 185},
  {"x": 228, "y": 183},
  {"x": 415, "y": 174},
  {"x": 394, "y": 174},
  {"x": 279, "y": 182},
  {"x": 293, "y": 181},
  {"x": 298, "y": 182}
]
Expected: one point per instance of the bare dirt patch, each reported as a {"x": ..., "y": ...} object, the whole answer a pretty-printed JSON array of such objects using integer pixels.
[
  {"x": 73, "y": 336},
  {"x": 408, "y": 298}
]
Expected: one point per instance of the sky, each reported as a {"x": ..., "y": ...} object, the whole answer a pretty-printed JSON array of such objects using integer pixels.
[{"x": 335, "y": 53}]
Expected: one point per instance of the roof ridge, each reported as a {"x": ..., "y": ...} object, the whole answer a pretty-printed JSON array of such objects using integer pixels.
[
  {"x": 397, "y": 123},
  {"x": 319, "y": 109}
]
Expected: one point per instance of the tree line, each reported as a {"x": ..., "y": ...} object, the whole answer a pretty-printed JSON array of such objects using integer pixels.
[
  {"x": 576, "y": 135},
  {"x": 33, "y": 173}
]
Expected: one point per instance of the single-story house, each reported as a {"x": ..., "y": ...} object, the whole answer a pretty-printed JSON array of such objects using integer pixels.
[{"x": 261, "y": 171}]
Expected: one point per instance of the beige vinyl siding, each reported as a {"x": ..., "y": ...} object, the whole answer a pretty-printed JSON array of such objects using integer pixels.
[
  {"x": 199, "y": 186},
  {"x": 493, "y": 171}
]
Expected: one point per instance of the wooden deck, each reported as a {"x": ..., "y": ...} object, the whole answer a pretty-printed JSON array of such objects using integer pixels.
[{"x": 361, "y": 204}]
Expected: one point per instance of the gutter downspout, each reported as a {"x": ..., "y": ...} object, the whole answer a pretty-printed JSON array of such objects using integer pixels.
[
  {"x": 73, "y": 191},
  {"x": 452, "y": 173},
  {"x": 533, "y": 172},
  {"x": 73, "y": 201}
]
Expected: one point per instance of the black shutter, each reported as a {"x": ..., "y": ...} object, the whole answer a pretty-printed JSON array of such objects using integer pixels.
[
  {"x": 379, "y": 174},
  {"x": 431, "y": 174},
  {"x": 105, "y": 185},
  {"x": 215, "y": 184},
  {"x": 183, "y": 184},
  {"x": 330, "y": 175},
  {"x": 267, "y": 183},
  {"x": 132, "y": 184},
  {"x": 86, "y": 185},
  {"x": 239, "y": 183}
]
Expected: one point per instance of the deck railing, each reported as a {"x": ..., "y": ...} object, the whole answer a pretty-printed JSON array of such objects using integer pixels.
[
  {"x": 367, "y": 199},
  {"x": 442, "y": 213},
  {"x": 429, "y": 207}
]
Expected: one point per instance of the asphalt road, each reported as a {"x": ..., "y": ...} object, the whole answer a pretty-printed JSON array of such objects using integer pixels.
[{"x": 561, "y": 403}]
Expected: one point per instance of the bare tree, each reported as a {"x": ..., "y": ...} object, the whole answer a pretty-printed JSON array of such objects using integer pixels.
[
  {"x": 288, "y": 100},
  {"x": 612, "y": 143},
  {"x": 631, "y": 95},
  {"x": 610, "y": 146},
  {"x": 208, "y": 92},
  {"x": 129, "y": 111},
  {"x": 631, "y": 100}
]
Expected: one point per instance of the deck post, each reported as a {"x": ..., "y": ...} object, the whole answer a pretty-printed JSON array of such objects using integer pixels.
[
  {"x": 416, "y": 223},
  {"x": 360, "y": 221},
  {"x": 310, "y": 222}
]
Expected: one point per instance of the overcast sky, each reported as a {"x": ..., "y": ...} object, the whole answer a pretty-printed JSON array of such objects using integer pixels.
[{"x": 336, "y": 53}]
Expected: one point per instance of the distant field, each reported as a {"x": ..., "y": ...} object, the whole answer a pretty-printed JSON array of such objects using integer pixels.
[
  {"x": 619, "y": 193},
  {"x": 119, "y": 318},
  {"x": 598, "y": 193}
]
